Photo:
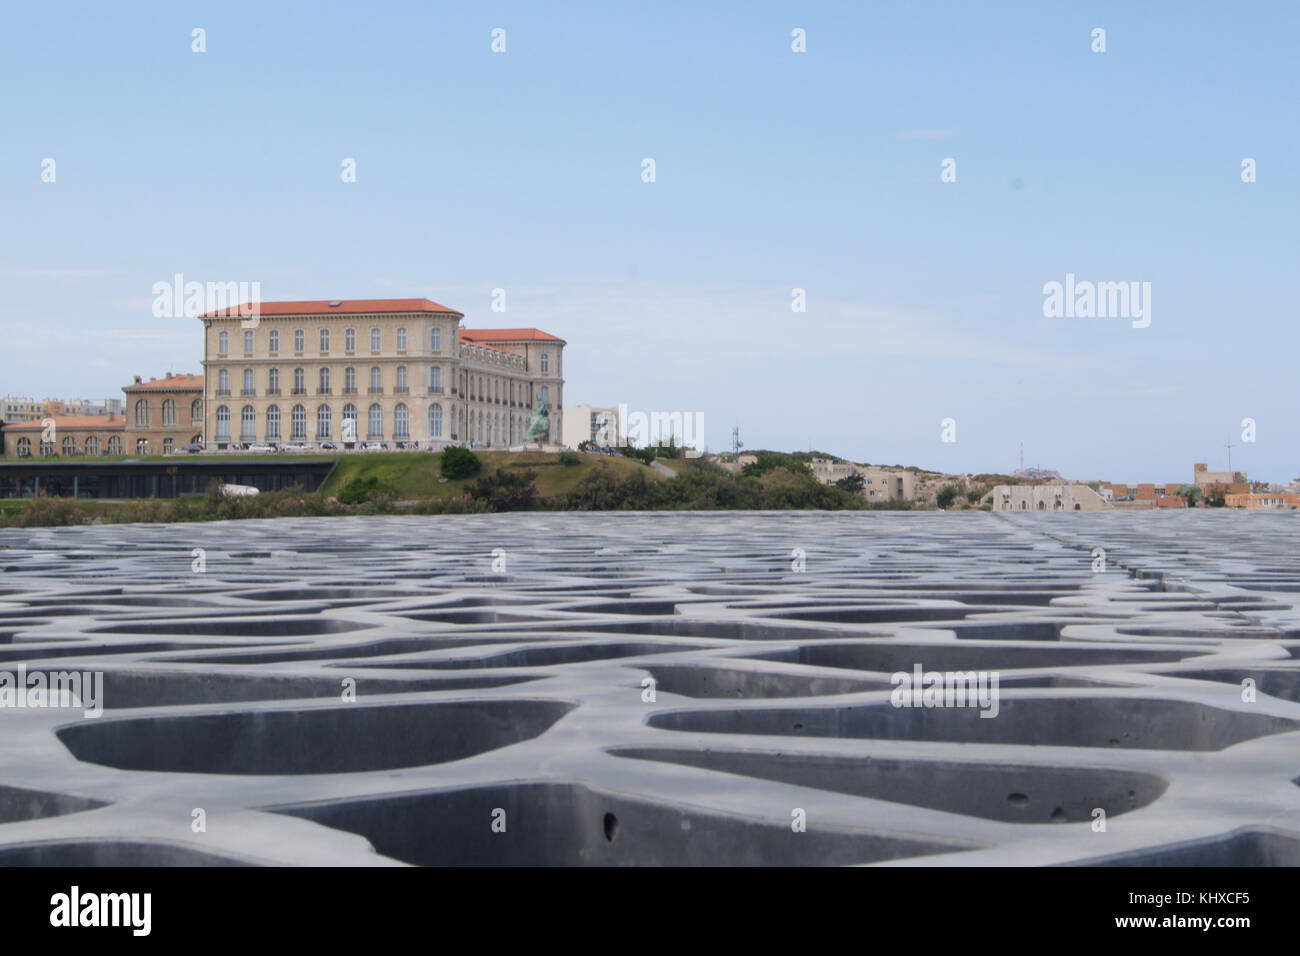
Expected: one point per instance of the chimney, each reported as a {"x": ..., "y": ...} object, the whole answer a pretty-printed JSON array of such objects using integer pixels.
[
  {"x": 137, "y": 380},
  {"x": 169, "y": 374}
]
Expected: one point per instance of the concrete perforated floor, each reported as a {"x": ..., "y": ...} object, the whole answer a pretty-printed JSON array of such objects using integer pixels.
[{"x": 502, "y": 711}]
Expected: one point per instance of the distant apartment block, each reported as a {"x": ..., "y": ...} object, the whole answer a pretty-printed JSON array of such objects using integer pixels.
[
  {"x": 1269, "y": 500},
  {"x": 1048, "y": 497},
  {"x": 583, "y": 423},
  {"x": 880, "y": 484}
]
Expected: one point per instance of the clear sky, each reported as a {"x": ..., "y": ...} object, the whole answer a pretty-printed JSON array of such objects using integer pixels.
[{"x": 774, "y": 170}]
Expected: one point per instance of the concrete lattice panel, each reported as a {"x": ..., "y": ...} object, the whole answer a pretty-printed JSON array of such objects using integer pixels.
[{"x": 503, "y": 710}]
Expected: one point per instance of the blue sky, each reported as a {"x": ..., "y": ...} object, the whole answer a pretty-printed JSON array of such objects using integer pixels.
[{"x": 774, "y": 171}]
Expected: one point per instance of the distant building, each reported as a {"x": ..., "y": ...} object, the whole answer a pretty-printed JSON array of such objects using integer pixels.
[
  {"x": 164, "y": 415},
  {"x": 877, "y": 483},
  {"x": 1047, "y": 497},
  {"x": 591, "y": 423},
  {"x": 1263, "y": 501}
]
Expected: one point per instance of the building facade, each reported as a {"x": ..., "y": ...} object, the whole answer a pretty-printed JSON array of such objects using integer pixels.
[
  {"x": 583, "y": 423},
  {"x": 1050, "y": 497},
  {"x": 386, "y": 370},
  {"x": 163, "y": 415},
  {"x": 66, "y": 436},
  {"x": 878, "y": 484}
]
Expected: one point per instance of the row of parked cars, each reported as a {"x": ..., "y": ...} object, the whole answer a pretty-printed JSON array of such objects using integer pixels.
[{"x": 266, "y": 448}]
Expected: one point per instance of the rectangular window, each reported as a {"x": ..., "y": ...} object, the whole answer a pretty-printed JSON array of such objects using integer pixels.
[
  {"x": 248, "y": 342},
  {"x": 375, "y": 340},
  {"x": 299, "y": 340},
  {"x": 275, "y": 341},
  {"x": 324, "y": 340},
  {"x": 350, "y": 340},
  {"x": 435, "y": 343}
]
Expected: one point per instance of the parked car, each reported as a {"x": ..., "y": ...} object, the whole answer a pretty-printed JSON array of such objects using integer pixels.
[
  {"x": 375, "y": 446},
  {"x": 261, "y": 446},
  {"x": 294, "y": 446},
  {"x": 328, "y": 446},
  {"x": 193, "y": 449}
]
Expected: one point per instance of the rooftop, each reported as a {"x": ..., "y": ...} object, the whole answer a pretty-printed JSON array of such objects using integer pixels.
[
  {"x": 337, "y": 306},
  {"x": 103, "y": 422},
  {"x": 185, "y": 383},
  {"x": 508, "y": 335}
]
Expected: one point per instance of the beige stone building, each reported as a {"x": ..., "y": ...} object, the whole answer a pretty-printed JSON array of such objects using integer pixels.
[
  {"x": 592, "y": 423},
  {"x": 397, "y": 370},
  {"x": 163, "y": 415},
  {"x": 66, "y": 436},
  {"x": 1048, "y": 497},
  {"x": 879, "y": 484}
]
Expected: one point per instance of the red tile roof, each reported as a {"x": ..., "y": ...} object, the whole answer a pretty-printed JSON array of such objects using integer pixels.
[
  {"x": 509, "y": 335},
  {"x": 345, "y": 307},
  {"x": 482, "y": 345},
  {"x": 183, "y": 383},
  {"x": 71, "y": 421}
]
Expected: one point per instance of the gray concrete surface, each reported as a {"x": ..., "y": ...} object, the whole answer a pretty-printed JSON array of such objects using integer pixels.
[{"x": 501, "y": 711}]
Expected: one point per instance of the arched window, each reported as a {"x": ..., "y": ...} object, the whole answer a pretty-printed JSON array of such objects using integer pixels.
[
  {"x": 349, "y": 381},
  {"x": 299, "y": 340},
  {"x": 248, "y": 382},
  {"x": 274, "y": 336},
  {"x": 435, "y": 378},
  {"x": 69, "y": 445},
  {"x": 375, "y": 340},
  {"x": 350, "y": 340},
  {"x": 1042, "y": 506},
  {"x": 324, "y": 340},
  {"x": 376, "y": 383},
  {"x": 24, "y": 447},
  {"x": 375, "y": 428},
  {"x": 546, "y": 394},
  {"x": 401, "y": 379},
  {"x": 401, "y": 422},
  {"x": 323, "y": 422},
  {"x": 223, "y": 423},
  {"x": 435, "y": 343},
  {"x": 349, "y": 415},
  {"x": 142, "y": 413},
  {"x": 169, "y": 446},
  {"x": 401, "y": 340},
  {"x": 169, "y": 412},
  {"x": 248, "y": 343},
  {"x": 114, "y": 445},
  {"x": 196, "y": 410},
  {"x": 273, "y": 382},
  {"x": 299, "y": 382},
  {"x": 435, "y": 420},
  {"x": 142, "y": 446},
  {"x": 223, "y": 382},
  {"x": 223, "y": 343},
  {"x": 273, "y": 423},
  {"x": 299, "y": 423},
  {"x": 324, "y": 381},
  {"x": 248, "y": 423},
  {"x": 92, "y": 445}
]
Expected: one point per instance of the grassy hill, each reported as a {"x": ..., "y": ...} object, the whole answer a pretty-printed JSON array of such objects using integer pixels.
[{"x": 417, "y": 475}]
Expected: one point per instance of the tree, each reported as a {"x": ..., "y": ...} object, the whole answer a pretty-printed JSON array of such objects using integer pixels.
[
  {"x": 505, "y": 490},
  {"x": 851, "y": 483},
  {"x": 1192, "y": 493},
  {"x": 945, "y": 496},
  {"x": 457, "y": 462}
]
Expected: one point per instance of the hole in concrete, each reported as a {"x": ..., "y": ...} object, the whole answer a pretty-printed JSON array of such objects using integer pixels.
[
  {"x": 611, "y": 827},
  {"x": 144, "y": 688},
  {"x": 1248, "y": 847},
  {"x": 706, "y": 681},
  {"x": 239, "y": 627},
  {"x": 565, "y": 824},
  {"x": 18, "y": 803},
  {"x": 890, "y": 657},
  {"x": 1128, "y": 722},
  {"x": 352, "y": 739},
  {"x": 111, "y": 853},
  {"x": 995, "y": 791},
  {"x": 550, "y": 655}
]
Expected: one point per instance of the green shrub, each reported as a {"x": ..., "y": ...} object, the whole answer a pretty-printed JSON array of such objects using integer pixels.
[
  {"x": 369, "y": 488},
  {"x": 504, "y": 490},
  {"x": 570, "y": 458},
  {"x": 457, "y": 462}
]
